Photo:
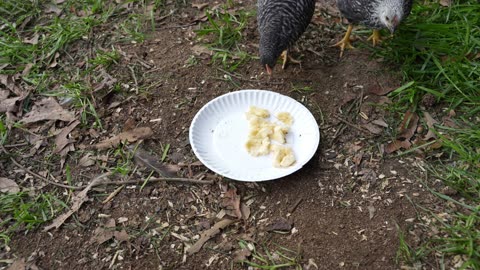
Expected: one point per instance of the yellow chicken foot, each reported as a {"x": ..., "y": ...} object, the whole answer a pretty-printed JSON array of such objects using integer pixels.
[
  {"x": 286, "y": 57},
  {"x": 376, "y": 38},
  {"x": 345, "y": 42}
]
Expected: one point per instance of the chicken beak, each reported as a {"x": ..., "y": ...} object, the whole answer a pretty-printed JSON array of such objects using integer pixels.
[
  {"x": 268, "y": 69},
  {"x": 392, "y": 27}
]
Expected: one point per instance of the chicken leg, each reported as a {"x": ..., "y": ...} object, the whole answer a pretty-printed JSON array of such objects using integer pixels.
[
  {"x": 345, "y": 42},
  {"x": 376, "y": 38},
  {"x": 286, "y": 57}
]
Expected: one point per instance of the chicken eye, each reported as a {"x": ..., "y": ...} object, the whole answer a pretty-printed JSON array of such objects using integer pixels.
[{"x": 387, "y": 18}]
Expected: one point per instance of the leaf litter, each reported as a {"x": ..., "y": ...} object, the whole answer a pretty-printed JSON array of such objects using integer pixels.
[
  {"x": 8, "y": 185},
  {"x": 48, "y": 109},
  {"x": 77, "y": 202}
]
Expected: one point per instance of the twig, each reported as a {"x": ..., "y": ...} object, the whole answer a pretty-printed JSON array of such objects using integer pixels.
[
  {"x": 113, "y": 194},
  {"x": 154, "y": 179},
  {"x": 350, "y": 124},
  {"x": 166, "y": 179},
  {"x": 177, "y": 26},
  {"x": 247, "y": 80},
  {"x": 294, "y": 206},
  {"x": 36, "y": 174},
  {"x": 15, "y": 145}
]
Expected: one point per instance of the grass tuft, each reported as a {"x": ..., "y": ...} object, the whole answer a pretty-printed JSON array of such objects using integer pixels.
[{"x": 438, "y": 52}]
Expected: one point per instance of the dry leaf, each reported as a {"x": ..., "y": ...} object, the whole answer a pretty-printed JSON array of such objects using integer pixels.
[
  {"x": 245, "y": 209},
  {"x": 373, "y": 128},
  {"x": 380, "y": 90},
  {"x": 130, "y": 136},
  {"x": 371, "y": 211},
  {"x": 64, "y": 152},
  {"x": 61, "y": 139},
  {"x": 142, "y": 157},
  {"x": 8, "y": 185},
  {"x": 408, "y": 126},
  {"x": 86, "y": 161},
  {"x": 53, "y": 9},
  {"x": 121, "y": 236},
  {"x": 380, "y": 122},
  {"x": 10, "y": 84},
  {"x": 101, "y": 235},
  {"x": 430, "y": 122},
  {"x": 199, "y": 50},
  {"x": 280, "y": 224},
  {"x": 446, "y": 3},
  {"x": 77, "y": 202},
  {"x": 241, "y": 255},
  {"x": 200, "y": 6},
  {"x": 33, "y": 40},
  {"x": 9, "y": 104},
  {"x": 18, "y": 265},
  {"x": 48, "y": 109},
  {"x": 231, "y": 201},
  {"x": 208, "y": 234},
  {"x": 396, "y": 145}
]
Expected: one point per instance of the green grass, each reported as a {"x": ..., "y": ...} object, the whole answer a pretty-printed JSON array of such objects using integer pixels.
[
  {"x": 21, "y": 211},
  {"x": 224, "y": 33},
  {"x": 438, "y": 52}
]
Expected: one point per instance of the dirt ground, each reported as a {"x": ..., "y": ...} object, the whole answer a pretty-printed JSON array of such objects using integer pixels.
[{"x": 343, "y": 210}]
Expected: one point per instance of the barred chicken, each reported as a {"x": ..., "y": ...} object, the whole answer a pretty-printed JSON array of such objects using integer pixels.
[
  {"x": 280, "y": 24},
  {"x": 375, "y": 14}
]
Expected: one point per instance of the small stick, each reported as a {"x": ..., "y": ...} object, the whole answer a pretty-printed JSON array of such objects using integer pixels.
[
  {"x": 294, "y": 206},
  {"x": 113, "y": 194},
  {"x": 350, "y": 124},
  {"x": 166, "y": 179}
]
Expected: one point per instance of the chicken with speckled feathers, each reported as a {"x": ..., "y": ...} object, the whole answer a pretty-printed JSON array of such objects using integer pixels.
[
  {"x": 280, "y": 24},
  {"x": 375, "y": 14}
]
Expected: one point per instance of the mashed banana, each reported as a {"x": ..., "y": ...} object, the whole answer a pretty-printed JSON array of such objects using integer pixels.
[{"x": 262, "y": 132}]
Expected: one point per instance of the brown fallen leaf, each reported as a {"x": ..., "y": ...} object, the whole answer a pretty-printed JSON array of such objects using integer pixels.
[
  {"x": 397, "y": 145},
  {"x": 105, "y": 233},
  {"x": 33, "y": 40},
  {"x": 19, "y": 264},
  {"x": 9, "y": 82},
  {"x": 408, "y": 126},
  {"x": 430, "y": 124},
  {"x": 77, "y": 202},
  {"x": 279, "y": 224},
  {"x": 8, "y": 185},
  {"x": 48, "y": 109},
  {"x": 374, "y": 129},
  {"x": 371, "y": 211},
  {"x": 446, "y": 3},
  {"x": 241, "y": 255},
  {"x": 198, "y": 50},
  {"x": 130, "y": 136},
  {"x": 61, "y": 139},
  {"x": 245, "y": 211},
  {"x": 379, "y": 90},
  {"x": 231, "y": 202},
  {"x": 86, "y": 161},
  {"x": 9, "y": 104},
  {"x": 380, "y": 122},
  {"x": 200, "y": 6},
  {"x": 208, "y": 234},
  {"x": 121, "y": 236},
  {"x": 144, "y": 158}
]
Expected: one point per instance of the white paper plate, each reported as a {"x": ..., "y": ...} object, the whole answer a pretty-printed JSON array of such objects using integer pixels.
[{"x": 219, "y": 131}]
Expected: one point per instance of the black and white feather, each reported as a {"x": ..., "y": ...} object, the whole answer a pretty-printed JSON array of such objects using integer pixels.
[
  {"x": 280, "y": 24},
  {"x": 375, "y": 14}
]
